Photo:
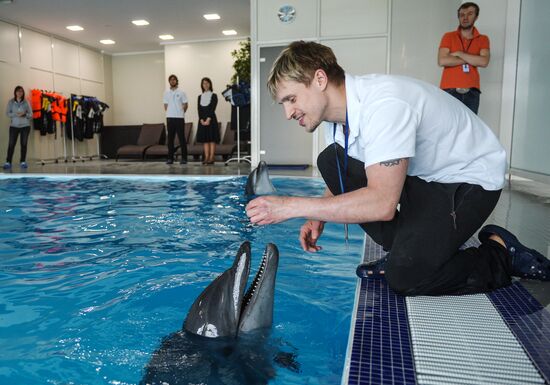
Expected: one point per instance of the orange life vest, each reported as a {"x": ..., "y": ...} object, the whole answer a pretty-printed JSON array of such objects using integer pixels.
[{"x": 36, "y": 103}]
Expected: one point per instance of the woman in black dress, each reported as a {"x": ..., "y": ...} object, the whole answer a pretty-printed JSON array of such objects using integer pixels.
[{"x": 208, "y": 131}]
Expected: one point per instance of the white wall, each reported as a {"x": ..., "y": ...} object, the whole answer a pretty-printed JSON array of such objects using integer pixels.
[
  {"x": 193, "y": 61},
  {"x": 138, "y": 84},
  {"x": 108, "y": 83},
  {"x": 491, "y": 22},
  {"x": 531, "y": 133},
  {"x": 37, "y": 60},
  {"x": 415, "y": 40}
]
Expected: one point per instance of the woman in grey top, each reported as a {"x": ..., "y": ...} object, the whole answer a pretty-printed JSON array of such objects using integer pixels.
[{"x": 20, "y": 113}]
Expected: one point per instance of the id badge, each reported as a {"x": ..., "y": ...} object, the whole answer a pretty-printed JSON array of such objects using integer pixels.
[{"x": 465, "y": 68}]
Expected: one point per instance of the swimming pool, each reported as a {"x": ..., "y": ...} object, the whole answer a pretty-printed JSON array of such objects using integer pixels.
[{"x": 94, "y": 272}]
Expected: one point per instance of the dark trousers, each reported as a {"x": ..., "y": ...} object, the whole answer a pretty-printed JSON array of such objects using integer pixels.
[
  {"x": 470, "y": 98},
  {"x": 14, "y": 133},
  {"x": 176, "y": 126},
  {"x": 423, "y": 239}
]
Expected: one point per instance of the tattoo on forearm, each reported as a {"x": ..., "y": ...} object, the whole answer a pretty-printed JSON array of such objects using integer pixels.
[{"x": 391, "y": 162}]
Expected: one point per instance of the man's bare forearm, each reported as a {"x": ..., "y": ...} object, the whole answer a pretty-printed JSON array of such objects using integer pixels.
[
  {"x": 358, "y": 206},
  {"x": 475, "y": 60},
  {"x": 450, "y": 61}
]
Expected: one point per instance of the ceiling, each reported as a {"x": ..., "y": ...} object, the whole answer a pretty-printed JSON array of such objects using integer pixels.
[{"x": 112, "y": 19}]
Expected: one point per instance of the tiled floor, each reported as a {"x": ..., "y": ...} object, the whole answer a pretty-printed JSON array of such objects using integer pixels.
[{"x": 148, "y": 168}]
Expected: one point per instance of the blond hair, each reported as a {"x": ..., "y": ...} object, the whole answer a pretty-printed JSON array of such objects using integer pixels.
[{"x": 299, "y": 61}]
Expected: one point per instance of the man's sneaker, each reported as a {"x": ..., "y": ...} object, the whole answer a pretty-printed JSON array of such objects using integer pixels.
[
  {"x": 169, "y": 162},
  {"x": 7, "y": 166},
  {"x": 183, "y": 161},
  {"x": 24, "y": 165},
  {"x": 526, "y": 263},
  {"x": 372, "y": 269}
]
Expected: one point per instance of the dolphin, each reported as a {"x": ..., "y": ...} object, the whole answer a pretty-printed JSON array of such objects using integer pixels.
[
  {"x": 258, "y": 182},
  {"x": 223, "y": 339}
]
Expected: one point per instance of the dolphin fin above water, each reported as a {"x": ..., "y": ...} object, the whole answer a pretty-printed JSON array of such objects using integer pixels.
[
  {"x": 258, "y": 182},
  {"x": 224, "y": 339}
]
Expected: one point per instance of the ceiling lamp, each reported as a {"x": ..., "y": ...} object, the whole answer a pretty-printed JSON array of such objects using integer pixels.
[
  {"x": 212, "y": 16},
  {"x": 140, "y": 22}
]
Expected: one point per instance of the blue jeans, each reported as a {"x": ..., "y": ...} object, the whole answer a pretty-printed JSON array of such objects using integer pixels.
[
  {"x": 470, "y": 98},
  {"x": 14, "y": 134}
]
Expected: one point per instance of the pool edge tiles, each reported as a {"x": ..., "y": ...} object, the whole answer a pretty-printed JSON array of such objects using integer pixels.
[
  {"x": 154, "y": 177},
  {"x": 528, "y": 321},
  {"x": 380, "y": 349}
]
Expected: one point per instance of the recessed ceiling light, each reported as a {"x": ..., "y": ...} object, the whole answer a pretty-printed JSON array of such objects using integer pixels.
[
  {"x": 74, "y": 28},
  {"x": 107, "y": 41},
  {"x": 166, "y": 37},
  {"x": 140, "y": 22},
  {"x": 228, "y": 32},
  {"x": 212, "y": 16}
]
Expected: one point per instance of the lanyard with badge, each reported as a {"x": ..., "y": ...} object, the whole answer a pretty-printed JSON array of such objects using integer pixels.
[
  {"x": 346, "y": 141},
  {"x": 465, "y": 66}
]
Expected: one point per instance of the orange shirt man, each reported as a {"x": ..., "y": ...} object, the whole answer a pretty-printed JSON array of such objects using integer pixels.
[{"x": 460, "y": 53}]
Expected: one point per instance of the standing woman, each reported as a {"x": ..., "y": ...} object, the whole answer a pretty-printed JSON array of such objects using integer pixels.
[
  {"x": 208, "y": 131},
  {"x": 19, "y": 111}
]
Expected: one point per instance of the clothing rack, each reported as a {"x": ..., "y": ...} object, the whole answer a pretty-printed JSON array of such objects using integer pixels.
[
  {"x": 51, "y": 114},
  {"x": 98, "y": 155},
  {"x": 64, "y": 157}
]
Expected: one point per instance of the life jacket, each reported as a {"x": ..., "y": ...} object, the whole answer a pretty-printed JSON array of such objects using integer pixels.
[
  {"x": 59, "y": 108},
  {"x": 36, "y": 103}
]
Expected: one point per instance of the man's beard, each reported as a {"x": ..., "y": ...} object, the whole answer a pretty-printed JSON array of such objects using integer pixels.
[{"x": 468, "y": 26}]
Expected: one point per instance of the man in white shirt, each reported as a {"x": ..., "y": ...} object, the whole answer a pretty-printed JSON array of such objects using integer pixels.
[
  {"x": 399, "y": 141},
  {"x": 175, "y": 105}
]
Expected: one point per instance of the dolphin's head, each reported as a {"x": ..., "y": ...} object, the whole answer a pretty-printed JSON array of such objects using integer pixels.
[
  {"x": 258, "y": 182},
  {"x": 222, "y": 309},
  {"x": 216, "y": 311}
]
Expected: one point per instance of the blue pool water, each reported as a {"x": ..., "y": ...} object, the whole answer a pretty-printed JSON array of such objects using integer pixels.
[{"x": 94, "y": 272}]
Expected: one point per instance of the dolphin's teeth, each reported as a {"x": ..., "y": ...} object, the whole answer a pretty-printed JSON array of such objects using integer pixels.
[{"x": 254, "y": 287}]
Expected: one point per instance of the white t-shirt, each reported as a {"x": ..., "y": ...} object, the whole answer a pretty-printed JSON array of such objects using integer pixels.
[
  {"x": 174, "y": 99},
  {"x": 393, "y": 117}
]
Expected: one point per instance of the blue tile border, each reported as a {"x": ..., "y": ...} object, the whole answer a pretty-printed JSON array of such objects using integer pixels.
[
  {"x": 381, "y": 351},
  {"x": 528, "y": 321}
]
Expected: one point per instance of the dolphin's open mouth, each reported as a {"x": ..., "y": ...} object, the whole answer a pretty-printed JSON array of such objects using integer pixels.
[
  {"x": 255, "y": 283},
  {"x": 224, "y": 310}
]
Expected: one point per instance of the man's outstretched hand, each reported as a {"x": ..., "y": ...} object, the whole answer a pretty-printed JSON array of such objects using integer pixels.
[
  {"x": 266, "y": 210},
  {"x": 309, "y": 233}
]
